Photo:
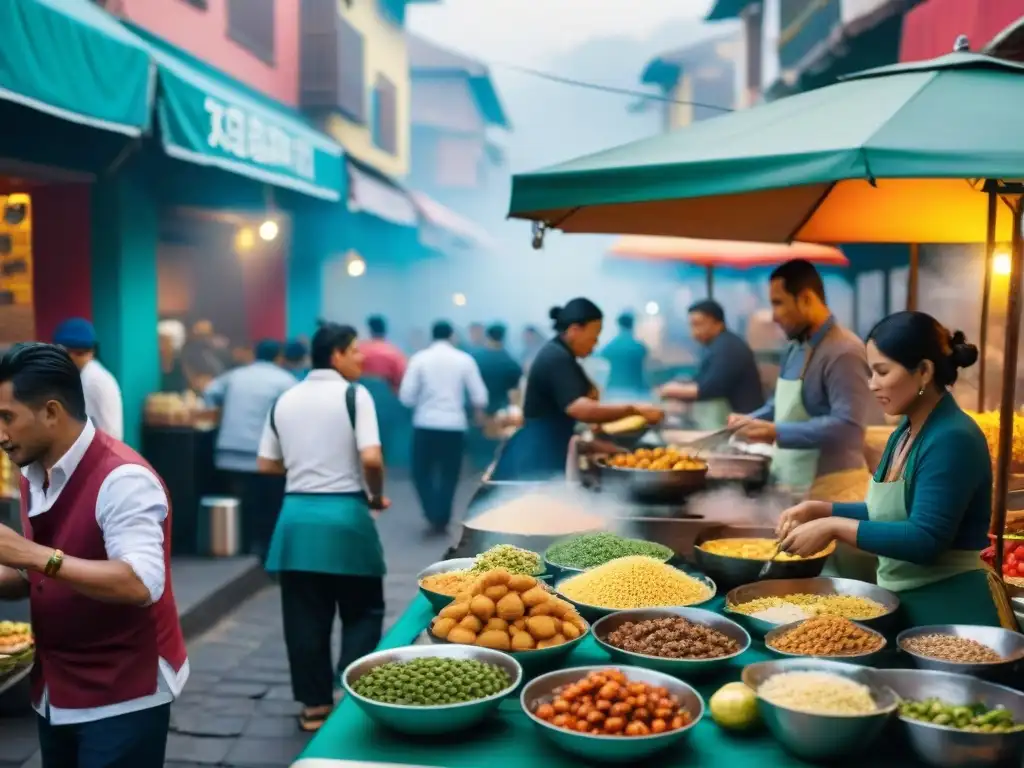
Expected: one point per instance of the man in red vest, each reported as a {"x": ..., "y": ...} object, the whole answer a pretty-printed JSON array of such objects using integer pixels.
[{"x": 95, "y": 565}]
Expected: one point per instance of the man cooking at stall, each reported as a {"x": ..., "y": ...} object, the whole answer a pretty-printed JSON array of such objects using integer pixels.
[
  {"x": 816, "y": 419},
  {"x": 727, "y": 380}
]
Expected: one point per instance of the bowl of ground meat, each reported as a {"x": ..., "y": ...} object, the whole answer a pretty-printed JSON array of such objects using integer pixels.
[{"x": 677, "y": 641}]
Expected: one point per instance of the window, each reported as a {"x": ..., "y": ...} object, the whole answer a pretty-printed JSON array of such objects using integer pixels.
[
  {"x": 351, "y": 63},
  {"x": 251, "y": 25},
  {"x": 384, "y": 115}
]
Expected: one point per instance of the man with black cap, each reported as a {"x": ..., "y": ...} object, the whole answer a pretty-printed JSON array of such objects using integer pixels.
[
  {"x": 103, "y": 401},
  {"x": 727, "y": 380}
]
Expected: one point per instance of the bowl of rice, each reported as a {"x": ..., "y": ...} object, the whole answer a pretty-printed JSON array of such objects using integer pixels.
[{"x": 821, "y": 710}]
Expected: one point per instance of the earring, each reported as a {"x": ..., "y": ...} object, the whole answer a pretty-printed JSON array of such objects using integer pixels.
[{"x": 920, "y": 392}]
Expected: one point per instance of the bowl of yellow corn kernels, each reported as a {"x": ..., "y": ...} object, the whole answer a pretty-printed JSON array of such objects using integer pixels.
[{"x": 735, "y": 556}]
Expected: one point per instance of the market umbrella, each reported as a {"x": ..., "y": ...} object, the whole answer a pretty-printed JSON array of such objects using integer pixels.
[
  {"x": 724, "y": 253},
  {"x": 911, "y": 153}
]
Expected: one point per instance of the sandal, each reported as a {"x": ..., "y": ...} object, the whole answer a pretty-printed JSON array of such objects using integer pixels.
[{"x": 313, "y": 718}]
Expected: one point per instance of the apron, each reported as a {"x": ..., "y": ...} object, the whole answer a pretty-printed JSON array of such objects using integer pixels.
[
  {"x": 326, "y": 533},
  {"x": 536, "y": 451},
  {"x": 953, "y": 590},
  {"x": 710, "y": 414}
]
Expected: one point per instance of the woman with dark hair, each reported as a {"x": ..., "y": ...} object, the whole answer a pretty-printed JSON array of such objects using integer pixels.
[
  {"x": 322, "y": 435},
  {"x": 559, "y": 395},
  {"x": 927, "y": 509}
]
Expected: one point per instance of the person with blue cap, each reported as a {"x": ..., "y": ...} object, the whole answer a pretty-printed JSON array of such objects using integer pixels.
[
  {"x": 245, "y": 396},
  {"x": 296, "y": 358},
  {"x": 103, "y": 402},
  {"x": 627, "y": 359}
]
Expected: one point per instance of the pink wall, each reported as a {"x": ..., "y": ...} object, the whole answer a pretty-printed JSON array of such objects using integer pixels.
[
  {"x": 203, "y": 33},
  {"x": 264, "y": 277}
]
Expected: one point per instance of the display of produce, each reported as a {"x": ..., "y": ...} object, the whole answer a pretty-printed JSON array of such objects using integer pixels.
[
  {"x": 672, "y": 638},
  {"x": 962, "y": 650},
  {"x": 1013, "y": 558},
  {"x": 976, "y": 718},
  {"x": 536, "y": 514},
  {"x": 734, "y": 707},
  {"x": 508, "y": 612},
  {"x": 756, "y": 549},
  {"x": 657, "y": 459},
  {"x": 635, "y": 582},
  {"x": 15, "y": 637},
  {"x": 592, "y": 549},
  {"x": 431, "y": 682},
  {"x": 826, "y": 636},
  {"x": 511, "y": 559},
  {"x": 989, "y": 424},
  {"x": 818, "y": 693},
  {"x": 606, "y": 703},
  {"x": 847, "y": 606}
]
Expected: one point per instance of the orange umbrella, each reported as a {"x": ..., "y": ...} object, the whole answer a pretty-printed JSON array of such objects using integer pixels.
[{"x": 724, "y": 253}]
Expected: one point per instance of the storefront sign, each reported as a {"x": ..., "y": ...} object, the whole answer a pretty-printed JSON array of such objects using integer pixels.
[{"x": 247, "y": 137}]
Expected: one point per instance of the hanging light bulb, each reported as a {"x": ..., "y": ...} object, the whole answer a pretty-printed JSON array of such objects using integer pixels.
[
  {"x": 459, "y": 299},
  {"x": 269, "y": 230},
  {"x": 1001, "y": 264},
  {"x": 652, "y": 308},
  {"x": 245, "y": 240},
  {"x": 356, "y": 267}
]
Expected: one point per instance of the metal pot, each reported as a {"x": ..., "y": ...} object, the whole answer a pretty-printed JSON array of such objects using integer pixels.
[
  {"x": 669, "y": 485},
  {"x": 735, "y": 466}
]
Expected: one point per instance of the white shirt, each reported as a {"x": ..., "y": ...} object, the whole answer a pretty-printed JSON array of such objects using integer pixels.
[
  {"x": 436, "y": 384},
  {"x": 103, "y": 402},
  {"x": 314, "y": 436},
  {"x": 130, "y": 510}
]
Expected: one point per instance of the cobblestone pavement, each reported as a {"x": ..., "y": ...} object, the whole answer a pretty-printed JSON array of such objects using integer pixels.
[{"x": 237, "y": 708}]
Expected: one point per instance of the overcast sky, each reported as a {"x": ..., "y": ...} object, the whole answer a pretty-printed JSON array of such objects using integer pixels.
[{"x": 531, "y": 32}]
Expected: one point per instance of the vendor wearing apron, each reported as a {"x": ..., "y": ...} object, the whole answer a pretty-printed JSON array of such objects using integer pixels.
[
  {"x": 323, "y": 435},
  {"x": 817, "y": 417},
  {"x": 927, "y": 510},
  {"x": 559, "y": 395},
  {"x": 727, "y": 380}
]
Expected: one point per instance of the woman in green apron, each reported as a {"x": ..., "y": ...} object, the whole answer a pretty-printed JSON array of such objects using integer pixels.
[
  {"x": 323, "y": 435},
  {"x": 727, "y": 380},
  {"x": 927, "y": 509}
]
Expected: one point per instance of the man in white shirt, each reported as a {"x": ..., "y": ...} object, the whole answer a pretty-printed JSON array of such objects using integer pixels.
[
  {"x": 435, "y": 386},
  {"x": 103, "y": 402},
  {"x": 95, "y": 565}
]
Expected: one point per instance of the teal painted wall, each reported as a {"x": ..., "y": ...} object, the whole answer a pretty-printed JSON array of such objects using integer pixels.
[{"x": 124, "y": 287}]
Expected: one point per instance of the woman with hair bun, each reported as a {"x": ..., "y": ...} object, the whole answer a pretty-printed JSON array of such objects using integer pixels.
[
  {"x": 559, "y": 395},
  {"x": 927, "y": 510}
]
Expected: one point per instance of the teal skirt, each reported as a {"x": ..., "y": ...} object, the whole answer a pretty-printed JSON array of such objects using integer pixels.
[
  {"x": 326, "y": 533},
  {"x": 961, "y": 599}
]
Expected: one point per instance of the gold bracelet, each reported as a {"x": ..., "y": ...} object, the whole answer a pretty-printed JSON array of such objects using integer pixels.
[{"x": 54, "y": 563}]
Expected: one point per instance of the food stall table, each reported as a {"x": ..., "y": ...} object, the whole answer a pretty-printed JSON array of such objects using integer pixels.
[{"x": 515, "y": 742}]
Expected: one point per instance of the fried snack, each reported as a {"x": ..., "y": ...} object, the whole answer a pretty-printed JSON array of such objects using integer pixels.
[
  {"x": 827, "y": 636},
  {"x": 756, "y": 549},
  {"x": 657, "y": 459}
]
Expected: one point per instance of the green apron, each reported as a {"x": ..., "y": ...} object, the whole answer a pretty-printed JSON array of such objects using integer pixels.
[
  {"x": 326, "y": 533},
  {"x": 953, "y": 590},
  {"x": 710, "y": 414}
]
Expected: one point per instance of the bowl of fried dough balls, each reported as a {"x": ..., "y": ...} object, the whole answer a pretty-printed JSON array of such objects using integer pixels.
[{"x": 512, "y": 613}]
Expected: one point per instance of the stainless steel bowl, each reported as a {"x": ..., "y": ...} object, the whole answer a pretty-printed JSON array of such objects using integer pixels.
[
  {"x": 593, "y": 613},
  {"x": 851, "y": 658},
  {"x": 1009, "y": 645},
  {"x": 609, "y": 749},
  {"x": 423, "y": 721},
  {"x": 647, "y": 484},
  {"x": 565, "y": 571},
  {"x": 678, "y": 667},
  {"x": 946, "y": 747},
  {"x": 437, "y": 600},
  {"x": 732, "y": 572},
  {"x": 822, "y": 585},
  {"x": 822, "y": 737}
]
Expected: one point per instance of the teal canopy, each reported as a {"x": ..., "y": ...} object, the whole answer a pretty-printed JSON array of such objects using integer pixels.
[
  {"x": 71, "y": 59},
  {"x": 207, "y": 118},
  {"x": 895, "y": 154}
]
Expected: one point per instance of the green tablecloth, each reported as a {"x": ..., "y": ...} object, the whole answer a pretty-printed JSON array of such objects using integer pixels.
[{"x": 510, "y": 740}]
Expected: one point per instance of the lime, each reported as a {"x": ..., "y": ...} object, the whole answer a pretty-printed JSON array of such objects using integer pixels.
[{"x": 734, "y": 707}]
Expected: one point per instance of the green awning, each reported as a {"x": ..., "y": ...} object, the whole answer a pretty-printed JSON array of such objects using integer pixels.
[
  {"x": 205, "y": 117},
  {"x": 71, "y": 59},
  {"x": 726, "y": 9}
]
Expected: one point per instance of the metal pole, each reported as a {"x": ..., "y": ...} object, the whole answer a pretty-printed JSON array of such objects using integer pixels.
[
  {"x": 1013, "y": 313},
  {"x": 915, "y": 263},
  {"x": 986, "y": 293},
  {"x": 710, "y": 277}
]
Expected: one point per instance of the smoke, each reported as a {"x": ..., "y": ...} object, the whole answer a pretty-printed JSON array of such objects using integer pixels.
[{"x": 732, "y": 506}]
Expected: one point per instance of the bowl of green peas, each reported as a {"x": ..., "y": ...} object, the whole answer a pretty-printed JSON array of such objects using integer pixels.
[
  {"x": 428, "y": 690},
  {"x": 958, "y": 721},
  {"x": 575, "y": 554}
]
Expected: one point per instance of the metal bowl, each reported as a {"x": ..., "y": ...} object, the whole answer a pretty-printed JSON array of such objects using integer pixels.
[
  {"x": 822, "y": 585},
  {"x": 437, "y": 600},
  {"x": 822, "y": 737},
  {"x": 593, "y": 613},
  {"x": 677, "y": 667},
  {"x": 565, "y": 571},
  {"x": 853, "y": 658},
  {"x": 653, "y": 485},
  {"x": 435, "y": 720},
  {"x": 732, "y": 572},
  {"x": 609, "y": 749},
  {"x": 946, "y": 747},
  {"x": 532, "y": 662},
  {"x": 1009, "y": 645}
]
